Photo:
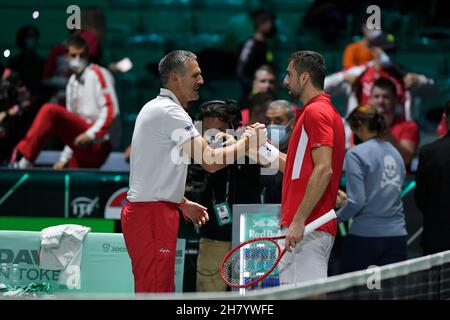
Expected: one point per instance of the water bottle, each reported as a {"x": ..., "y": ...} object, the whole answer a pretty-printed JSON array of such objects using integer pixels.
[
  {"x": 15, "y": 275},
  {"x": 4, "y": 274}
]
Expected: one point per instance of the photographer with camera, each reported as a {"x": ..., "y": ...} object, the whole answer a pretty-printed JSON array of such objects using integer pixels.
[{"x": 218, "y": 191}]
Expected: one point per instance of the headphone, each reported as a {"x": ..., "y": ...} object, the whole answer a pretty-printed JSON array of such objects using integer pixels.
[{"x": 232, "y": 111}]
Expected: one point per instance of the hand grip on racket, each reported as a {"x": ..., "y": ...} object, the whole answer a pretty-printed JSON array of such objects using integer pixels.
[{"x": 252, "y": 261}]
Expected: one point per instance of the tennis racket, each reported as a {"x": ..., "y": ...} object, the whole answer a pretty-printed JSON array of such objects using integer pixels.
[{"x": 252, "y": 261}]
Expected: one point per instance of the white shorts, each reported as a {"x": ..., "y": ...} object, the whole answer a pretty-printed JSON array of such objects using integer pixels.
[{"x": 308, "y": 260}]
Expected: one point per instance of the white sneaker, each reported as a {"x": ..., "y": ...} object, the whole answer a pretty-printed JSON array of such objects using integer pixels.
[{"x": 23, "y": 163}]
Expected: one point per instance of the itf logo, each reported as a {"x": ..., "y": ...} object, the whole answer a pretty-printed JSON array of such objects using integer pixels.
[{"x": 83, "y": 206}]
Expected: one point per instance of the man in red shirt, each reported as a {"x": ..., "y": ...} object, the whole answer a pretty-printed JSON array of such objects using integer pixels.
[
  {"x": 404, "y": 135},
  {"x": 312, "y": 170}
]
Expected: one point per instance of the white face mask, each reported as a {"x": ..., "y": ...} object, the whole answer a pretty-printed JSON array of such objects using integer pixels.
[{"x": 77, "y": 65}]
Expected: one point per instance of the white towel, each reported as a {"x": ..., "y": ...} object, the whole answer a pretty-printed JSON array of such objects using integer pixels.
[{"x": 61, "y": 249}]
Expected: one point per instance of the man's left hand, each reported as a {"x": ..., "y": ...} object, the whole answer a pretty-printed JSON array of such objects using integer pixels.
[{"x": 82, "y": 140}]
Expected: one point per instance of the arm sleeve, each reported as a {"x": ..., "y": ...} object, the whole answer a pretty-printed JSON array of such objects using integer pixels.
[
  {"x": 103, "y": 96},
  {"x": 335, "y": 84},
  {"x": 66, "y": 154},
  {"x": 356, "y": 195},
  {"x": 244, "y": 61},
  {"x": 178, "y": 126},
  {"x": 319, "y": 126},
  {"x": 347, "y": 58},
  {"x": 69, "y": 94}
]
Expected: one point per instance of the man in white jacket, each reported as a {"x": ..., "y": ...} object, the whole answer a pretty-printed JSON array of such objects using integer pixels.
[{"x": 91, "y": 108}]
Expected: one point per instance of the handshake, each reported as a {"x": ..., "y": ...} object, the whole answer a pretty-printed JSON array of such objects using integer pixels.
[{"x": 258, "y": 148}]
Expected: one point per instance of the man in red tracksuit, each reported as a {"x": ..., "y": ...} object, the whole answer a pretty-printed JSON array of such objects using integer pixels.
[{"x": 91, "y": 108}]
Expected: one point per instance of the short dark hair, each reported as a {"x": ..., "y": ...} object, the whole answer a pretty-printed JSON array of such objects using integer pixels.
[
  {"x": 385, "y": 83},
  {"x": 311, "y": 62},
  {"x": 225, "y": 110},
  {"x": 174, "y": 61},
  {"x": 78, "y": 42},
  {"x": 260, "y": 16}
]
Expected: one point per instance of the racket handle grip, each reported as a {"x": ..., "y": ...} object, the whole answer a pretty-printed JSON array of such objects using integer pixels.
[{"x": 313, "y": 225}]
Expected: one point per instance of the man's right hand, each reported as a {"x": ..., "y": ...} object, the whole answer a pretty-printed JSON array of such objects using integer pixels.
[
  {"x": 59, "y": 165},
  {"x": 341, "y": 198}
]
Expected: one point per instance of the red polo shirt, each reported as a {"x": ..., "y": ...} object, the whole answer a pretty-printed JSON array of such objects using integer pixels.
[{"x": 318, "y": 124}]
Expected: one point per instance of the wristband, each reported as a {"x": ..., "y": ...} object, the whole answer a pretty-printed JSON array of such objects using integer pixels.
[{"x": 268, "y": 152}]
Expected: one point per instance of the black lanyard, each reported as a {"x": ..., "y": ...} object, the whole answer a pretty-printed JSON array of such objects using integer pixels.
[{"x": 227, "y": 189}]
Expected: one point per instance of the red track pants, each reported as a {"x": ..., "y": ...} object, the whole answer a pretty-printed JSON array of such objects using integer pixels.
[
  {"x": 53, "y": 119},
  {"x": 150, "y": 230}
]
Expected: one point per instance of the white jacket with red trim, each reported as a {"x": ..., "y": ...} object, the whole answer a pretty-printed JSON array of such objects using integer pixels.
[{"x": 93, "y": 97}]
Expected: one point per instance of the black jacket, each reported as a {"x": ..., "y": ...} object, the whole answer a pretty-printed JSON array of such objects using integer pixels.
[
  {"x": 243, "y": 188},
  {"x": 432, "y": 194}
]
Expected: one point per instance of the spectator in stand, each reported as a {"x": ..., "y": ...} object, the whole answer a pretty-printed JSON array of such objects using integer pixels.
[
  {"x": 84, "y": 126},
  {"x": 264, "y": 81},
  {"x": 356, "y": 82},
  {"x": 93, "y": 26},
  {"x": 56, "y": 69},
  {"x": 28, "y": 63},
  {"x": 404, "y": 135},
  {"x": 280, "y": 115},
  {"x": 255, "y": 51},
  {"x": 16, "y": 113},
  {"x": 358, "y": 53}
]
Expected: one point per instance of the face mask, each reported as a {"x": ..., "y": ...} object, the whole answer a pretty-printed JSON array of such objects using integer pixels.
[
  {"x": 277, "y": 133},
  {"x": 77, "y": 65},
  {"x": 385, "y": 60},
  {"x": 30, "y": 43}
]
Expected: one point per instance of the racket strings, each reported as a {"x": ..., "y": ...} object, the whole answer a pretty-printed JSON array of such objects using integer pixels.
[{"x": 250, "y": 262}]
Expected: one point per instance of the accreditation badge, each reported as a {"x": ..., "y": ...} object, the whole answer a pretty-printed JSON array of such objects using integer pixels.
[{"x": 223, "y": 213}]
